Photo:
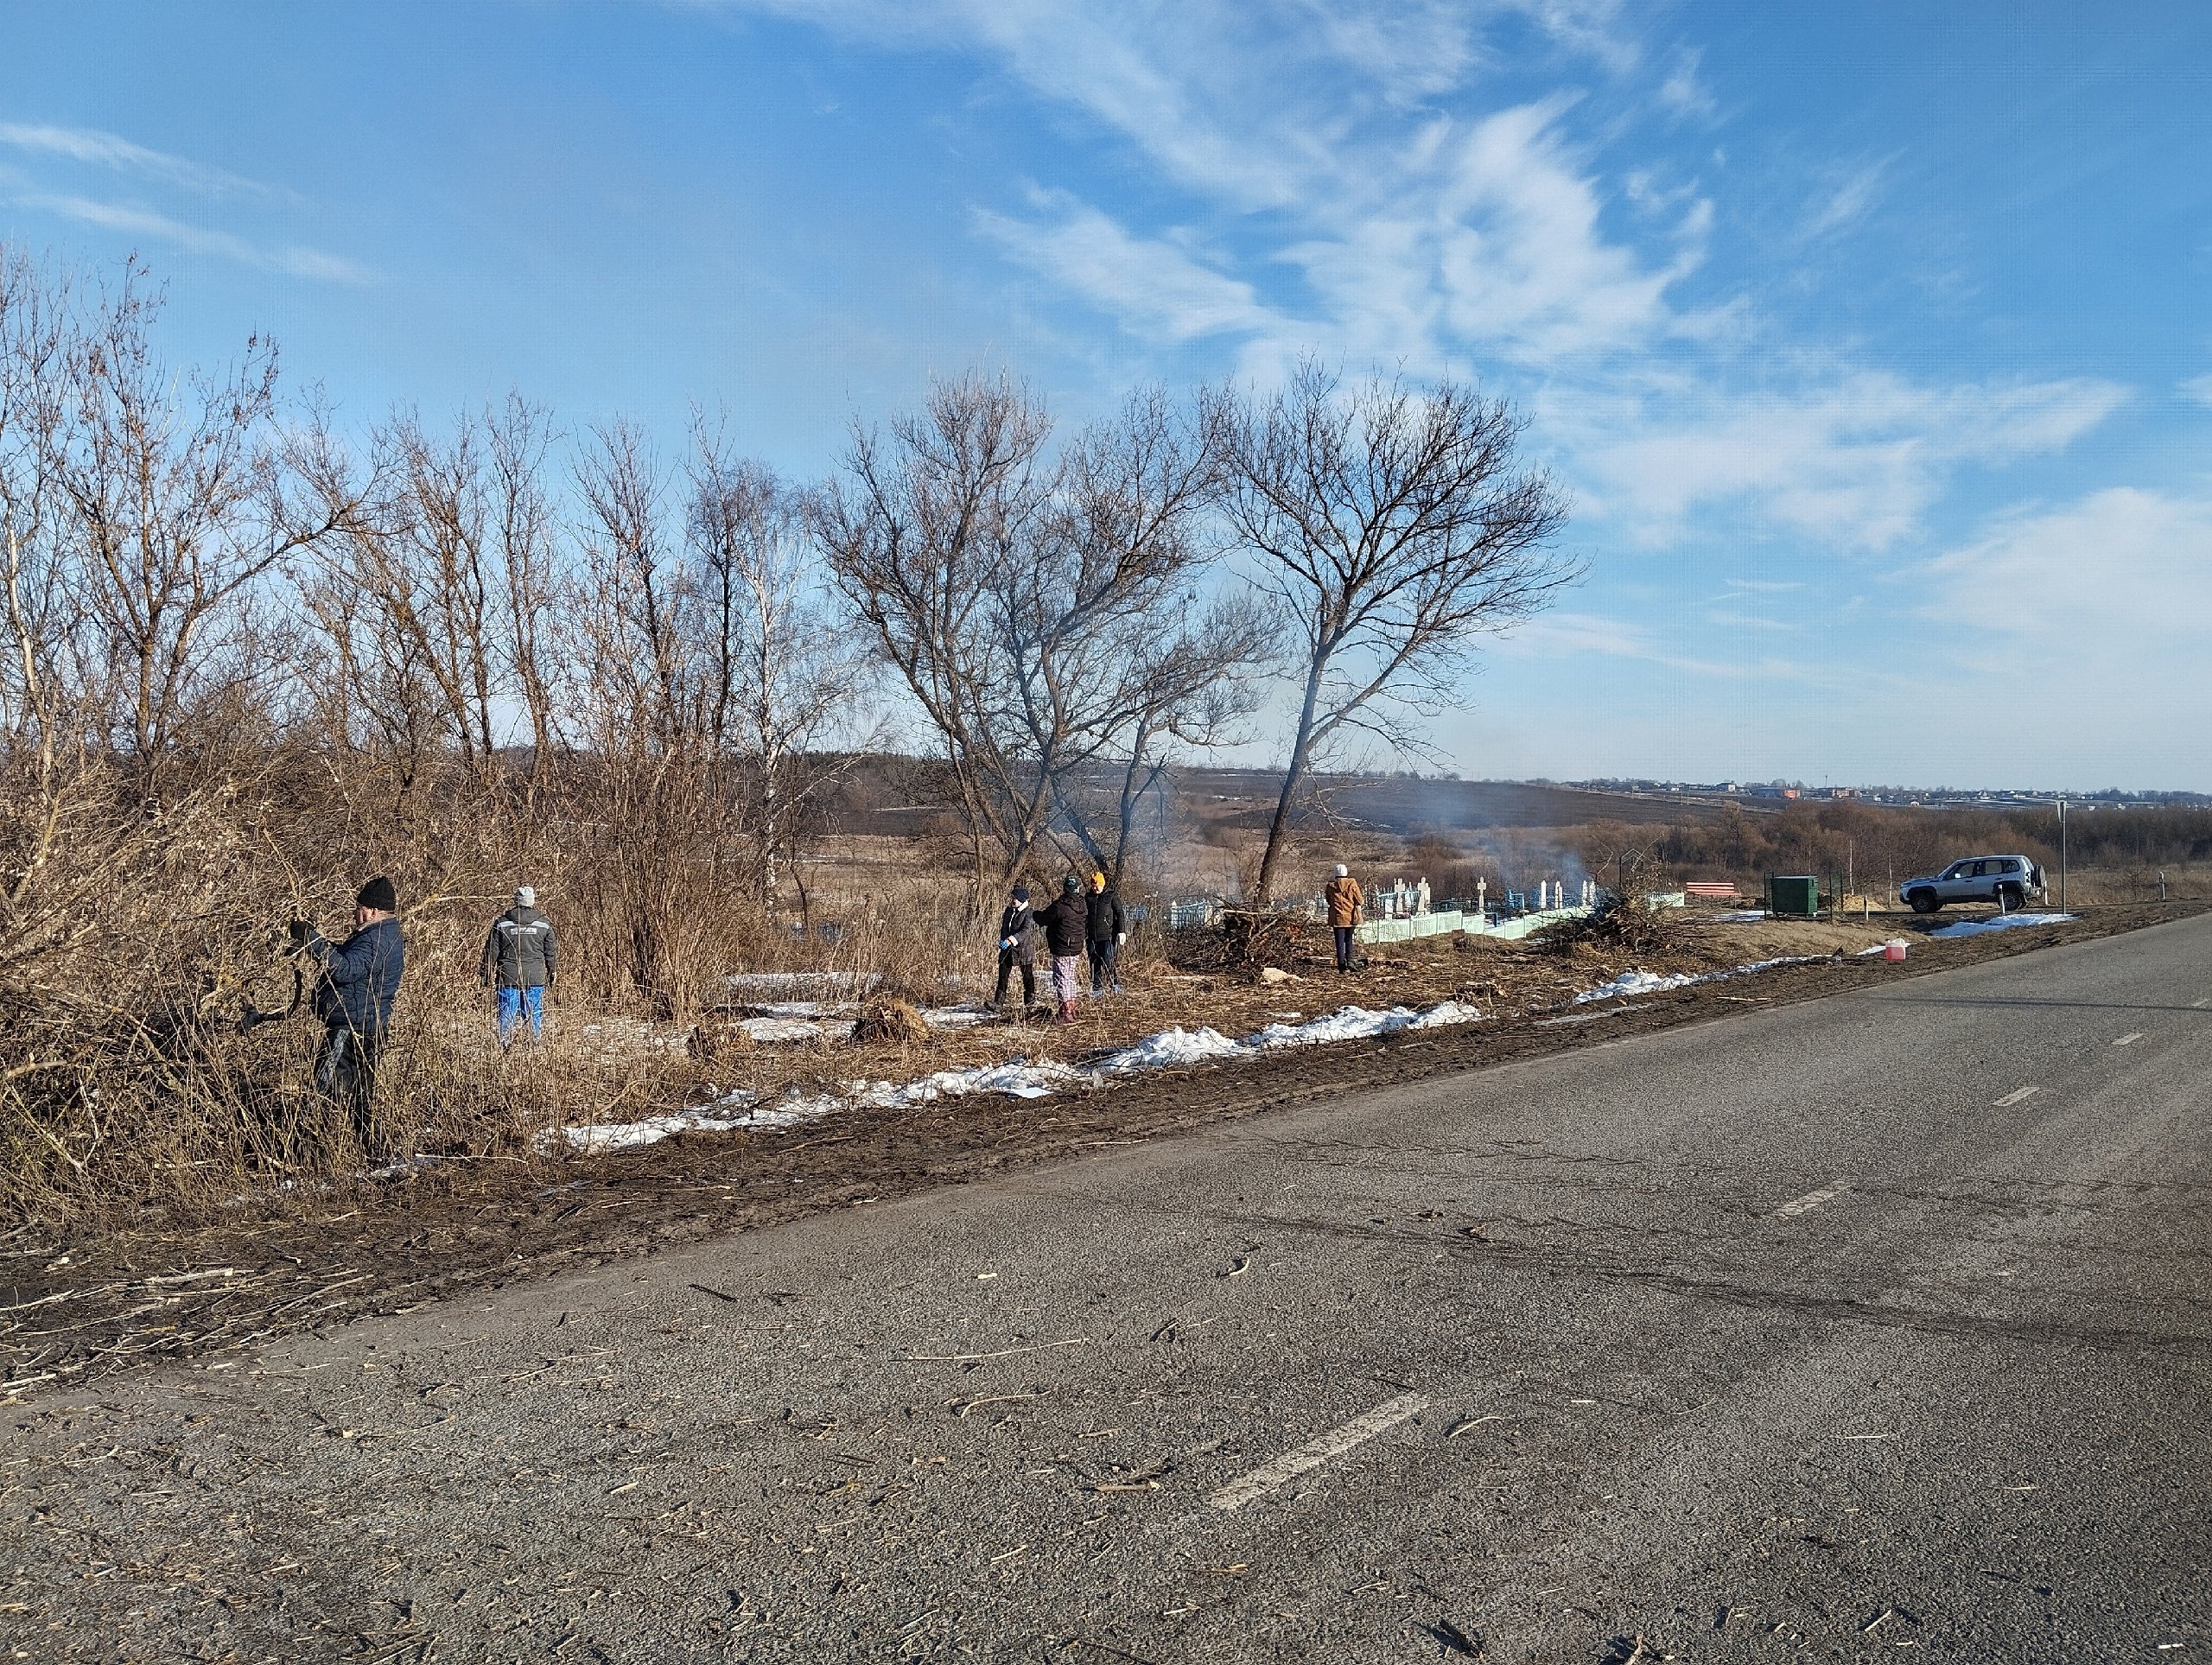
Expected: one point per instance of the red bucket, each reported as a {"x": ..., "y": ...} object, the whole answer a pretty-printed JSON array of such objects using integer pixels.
[{"x": 1893, "y": 952}]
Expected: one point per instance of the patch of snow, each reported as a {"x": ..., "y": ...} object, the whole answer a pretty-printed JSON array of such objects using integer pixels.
[
  {"x": 791, "y": 984},
  {"x": 772, "y": 1030},
  {"x": 957, "y": 1017},
  {"x": 1651, "y": 983},
  {"x": 1169, "y": 1048},
  {"x": 1743, "y": 917},
  {"x": 1634, "y": 982},
  {"x": 1356, "y": 1023},
  {"x": 2002, "y": 922},
  {"x": 1015, "y": 1078}
]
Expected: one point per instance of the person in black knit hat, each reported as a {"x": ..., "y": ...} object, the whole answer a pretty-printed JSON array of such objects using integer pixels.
[{"x": 352, "y": 996}]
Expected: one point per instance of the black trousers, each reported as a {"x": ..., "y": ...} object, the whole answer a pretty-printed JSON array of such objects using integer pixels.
[
  {"x": 1105, "y": 969},
  {"x": 1006, "y": 963},
  {"x": 1344, "y": 948},
  {"x": 346, "y": 1074}
]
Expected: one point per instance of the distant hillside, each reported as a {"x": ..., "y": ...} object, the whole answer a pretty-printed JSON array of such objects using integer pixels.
[{"x": 1406, "y": 807}]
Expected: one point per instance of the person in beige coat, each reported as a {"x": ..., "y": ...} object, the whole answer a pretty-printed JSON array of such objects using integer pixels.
[{"x": 1346, "y": 908}]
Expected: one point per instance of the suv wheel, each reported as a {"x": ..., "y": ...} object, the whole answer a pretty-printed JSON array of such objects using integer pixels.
[
  {"x": 2011, "y": 898},
  {"x": 1924, "y": 901}
]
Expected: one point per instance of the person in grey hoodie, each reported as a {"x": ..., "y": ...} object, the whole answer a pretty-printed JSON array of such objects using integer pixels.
[{"x": 520, "y": 959}]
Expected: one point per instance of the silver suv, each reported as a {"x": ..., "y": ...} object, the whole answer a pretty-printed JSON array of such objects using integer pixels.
[{"x": 2007, "y": 881}]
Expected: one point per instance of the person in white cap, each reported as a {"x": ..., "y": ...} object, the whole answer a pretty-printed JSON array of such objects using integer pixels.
[
  {"x": 520, "y": 959},
  {"x": 1346, "y": 905}
]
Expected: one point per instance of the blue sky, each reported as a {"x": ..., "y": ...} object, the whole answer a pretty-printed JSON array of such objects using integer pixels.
[{"x": 1873, "y": 342}]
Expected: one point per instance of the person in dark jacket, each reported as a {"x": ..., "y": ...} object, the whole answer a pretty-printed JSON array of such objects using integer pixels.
[
  {"x": 353, "y": 992},
  {"x": 1067, "y": 929},
  {"x": 1018, "y": 947},
  {"x": 1108, "y": 929},
  {"x": 520, "y": 959}
]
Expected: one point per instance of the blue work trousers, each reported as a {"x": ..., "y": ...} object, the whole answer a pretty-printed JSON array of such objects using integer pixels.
[{"x": 513, "y": 1003}]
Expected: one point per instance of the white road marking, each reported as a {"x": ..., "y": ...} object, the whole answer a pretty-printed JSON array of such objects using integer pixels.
[
  {"x": 2129, "y": 1040},
  {"x": 1810, "y": 1200},
  {"x": 2201, "y": 1004},
  {"x": 2018, "y": 1095},
  {"x": 1291, "y": 1464}
]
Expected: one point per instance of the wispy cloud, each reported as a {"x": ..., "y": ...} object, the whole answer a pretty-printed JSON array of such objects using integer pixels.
[
  {"x": 109, "y": 150},
  {"x": 2198, "y": 388},
  {"x": 1844, "y": 207},
  {"x": 1157, "y": 290},
  {"x": 1854, "y": 464},
  {"x": 292, "y": 259}
]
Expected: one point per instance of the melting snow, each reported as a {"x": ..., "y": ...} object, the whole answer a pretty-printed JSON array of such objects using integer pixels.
[
  {"x": 1651, "y": 983},
  {"x": 779, "y": 1029},
  {"x": 2002, "y": 922},
  {"x": 1016, "y": 1078},
  {"x": 1169, "y": 1048}
]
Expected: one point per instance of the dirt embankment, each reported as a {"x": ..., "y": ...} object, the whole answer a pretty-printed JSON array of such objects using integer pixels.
[{"x": 79, "y": 1310}]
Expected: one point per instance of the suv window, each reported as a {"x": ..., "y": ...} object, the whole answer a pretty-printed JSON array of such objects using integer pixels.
[
  {"x": 1981, "y": 870},
  {"x": 1957, "y": 870},
  {"x": 2008, "y": 865}
]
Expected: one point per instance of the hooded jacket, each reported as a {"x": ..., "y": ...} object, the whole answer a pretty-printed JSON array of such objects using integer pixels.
[
  {"x": 1067, "y": 924},
  {"x": 520, "y": 951},
  {"x": 360, "y": 977},
  {"x": 1346, "y": 903}
]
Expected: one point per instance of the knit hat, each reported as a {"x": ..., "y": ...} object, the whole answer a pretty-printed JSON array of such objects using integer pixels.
[
  {"x": 526, "y": 897},
  {"x": 1072, "y": 884},
  {"x": 377, "y": 893},
  {"x": 1022, "y": 892},
  {"x": 1343, "y": 872}
]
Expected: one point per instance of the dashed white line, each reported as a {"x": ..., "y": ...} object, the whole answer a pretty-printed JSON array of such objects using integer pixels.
[
  {"x": 2129, "y": 1040},
  {"x": 2018, "y": 1095},
  {"x": 1809, "y": 1201},
  {"x": 1291, "y": 1464}
]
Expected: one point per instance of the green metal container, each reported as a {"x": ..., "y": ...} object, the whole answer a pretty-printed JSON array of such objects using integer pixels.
[{"x": 1793, "y": 896}]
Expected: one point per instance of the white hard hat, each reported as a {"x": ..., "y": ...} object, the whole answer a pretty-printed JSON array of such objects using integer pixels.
[
  {"x": 1343, "y": 872},
  {"x": 526, "y": 897}
]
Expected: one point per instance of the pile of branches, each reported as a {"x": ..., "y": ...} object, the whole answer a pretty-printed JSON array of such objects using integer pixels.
[{"x": 1623, "y": 922}]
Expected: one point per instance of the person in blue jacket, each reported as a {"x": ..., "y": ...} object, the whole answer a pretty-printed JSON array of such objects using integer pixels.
[{"x": 353, "y": 995}]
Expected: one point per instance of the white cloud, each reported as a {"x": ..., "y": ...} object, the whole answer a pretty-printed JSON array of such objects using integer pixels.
[
  {"x": 1155, "y": 288},
  {"x": 2121, "y": 574},
  {"x": 2198, "y": 388},
  {"x": 2083, "y": 624},
  {"x": 1854, "y": 464},
  {"x": 291, "y": 259},
  {"x": 109, "y": 150}
]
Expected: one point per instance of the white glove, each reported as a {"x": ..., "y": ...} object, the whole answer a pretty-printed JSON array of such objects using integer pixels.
[{"x": 1119, "y": 940}]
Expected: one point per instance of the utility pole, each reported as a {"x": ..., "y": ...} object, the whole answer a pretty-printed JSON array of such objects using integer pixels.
[{"x": 2062, "y": 856}]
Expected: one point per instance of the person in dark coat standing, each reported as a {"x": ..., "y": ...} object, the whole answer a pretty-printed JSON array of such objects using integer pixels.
[
  {"x": 1067, "y": 932},
  {"x": 1108, "y": 929},
  {"x": 354, "y": 994},
  {"x": 520, "y": 959},
  {"x": 1018, "y": 947}
]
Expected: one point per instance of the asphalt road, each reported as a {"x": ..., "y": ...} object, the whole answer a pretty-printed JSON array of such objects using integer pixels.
[{"x": 1869, "y": 1327}]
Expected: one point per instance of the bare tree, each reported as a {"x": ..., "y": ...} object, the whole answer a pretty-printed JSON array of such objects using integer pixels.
[
  {"x": 781, "y": 678},
  {"x": 1048, "y": 616},
  {"x": 172, "y": 487},
  {"x": 1394, "y": 527},
  {"x": 923, "y": 535}
]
